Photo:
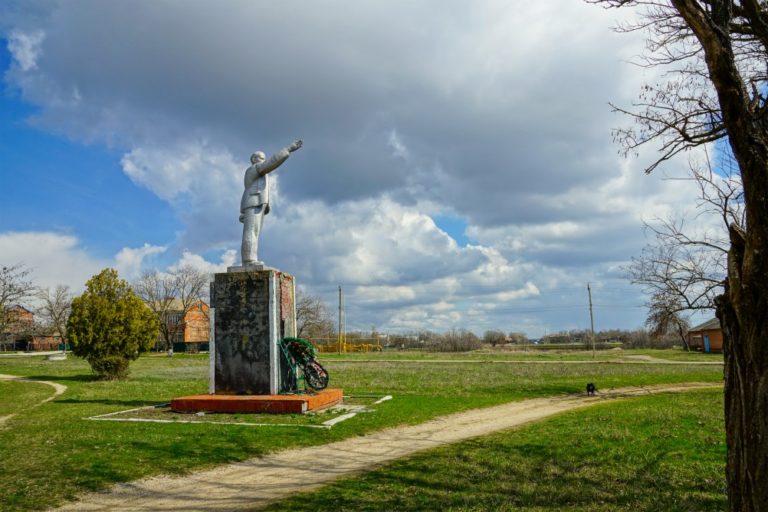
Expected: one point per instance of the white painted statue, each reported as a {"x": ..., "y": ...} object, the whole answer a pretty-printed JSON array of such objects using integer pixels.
[{"x": 255, "y": 203}]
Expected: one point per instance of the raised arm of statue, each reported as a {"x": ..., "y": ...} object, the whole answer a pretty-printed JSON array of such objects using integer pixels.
[{"x": 278, "y": 158}]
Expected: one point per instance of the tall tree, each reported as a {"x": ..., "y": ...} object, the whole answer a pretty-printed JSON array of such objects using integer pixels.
[
  {"x": 170, "y": 296},
  {"x": 110, "y": 326},
  {"x": 55, "y": 307},
  {"x": 15, "y": 287},
  {"x": 717, "y": 51}
]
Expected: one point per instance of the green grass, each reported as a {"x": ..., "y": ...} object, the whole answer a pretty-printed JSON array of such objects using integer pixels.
[
  {"x": 50, "y": 453},
  {"x": 17, "y": 396},
  {"x": 532, "y": 354},
  {"x": 664, "y": 452}
]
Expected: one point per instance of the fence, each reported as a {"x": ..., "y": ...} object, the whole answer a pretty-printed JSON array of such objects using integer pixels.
[{"x": 324, "y": 345}]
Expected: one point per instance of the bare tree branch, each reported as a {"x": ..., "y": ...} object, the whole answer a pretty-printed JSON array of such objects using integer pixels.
[
  {"x": 15, "y": 287},
  {"x": 55, "y": 308},
  {"x": 313, "y": 317},
  {"x": 171, "y": 296}
]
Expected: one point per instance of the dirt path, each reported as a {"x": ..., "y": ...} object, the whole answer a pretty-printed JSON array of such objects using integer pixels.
[
  {"x": 256, "y": 482},
  {"x": 58, "y": 389}
]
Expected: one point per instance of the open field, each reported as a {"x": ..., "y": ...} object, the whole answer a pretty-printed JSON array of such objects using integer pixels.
[
  {"x": 663, "y": 452},
  {"x": 518, "y": 353},
  {"x": 51, "y": 453}
]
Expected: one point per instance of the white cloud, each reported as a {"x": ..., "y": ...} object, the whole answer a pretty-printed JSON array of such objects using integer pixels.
[
  {"x": 479, "y": 111},
  {"x": 187, "y": 168},
  {"x": 196, "y": 261},
  {"x": 26, "y": 48},
  {"x": 374, "y": 241},
  {"x": 202, "y": 182},
  {"x": 53, "y": 258},
  {"x": 528, "y": 290},
  {"x": 129, "y": 260}
]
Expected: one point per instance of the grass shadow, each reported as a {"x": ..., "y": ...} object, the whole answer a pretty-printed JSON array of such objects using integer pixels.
[
  {"x": 65, "y": 378},
  {"x": 106, "y": 401}
]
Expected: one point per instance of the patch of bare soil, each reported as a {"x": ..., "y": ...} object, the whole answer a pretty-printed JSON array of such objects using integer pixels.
[{"x": 256, "y": 482}]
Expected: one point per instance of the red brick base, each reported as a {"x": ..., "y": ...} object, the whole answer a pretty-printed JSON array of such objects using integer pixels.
[{"x": 273, "y": 404}]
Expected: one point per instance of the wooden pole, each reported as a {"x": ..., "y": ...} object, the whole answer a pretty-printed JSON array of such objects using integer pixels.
[
  {"x": 339, "y": 340},
  {"x": 591, "y": 320}
]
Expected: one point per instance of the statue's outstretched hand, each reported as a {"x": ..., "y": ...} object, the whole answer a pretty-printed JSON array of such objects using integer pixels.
[{"x": 295, "y": 145}]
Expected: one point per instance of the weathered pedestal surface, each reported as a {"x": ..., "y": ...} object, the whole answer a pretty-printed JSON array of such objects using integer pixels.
[{"x": 254, "y": 310}]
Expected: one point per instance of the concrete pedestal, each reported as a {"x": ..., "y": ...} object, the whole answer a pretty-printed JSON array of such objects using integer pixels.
[
  {"x": 254, "y": 310},
  {"x": 271, "y": 404}
]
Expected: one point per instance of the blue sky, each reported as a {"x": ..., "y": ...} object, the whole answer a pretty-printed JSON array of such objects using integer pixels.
[
  {"x": 100, "y": 204},
  {"x": 458, "y": 168}
]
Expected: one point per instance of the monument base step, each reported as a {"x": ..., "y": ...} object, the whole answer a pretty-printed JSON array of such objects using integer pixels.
[{"x": 272, "y": 404}]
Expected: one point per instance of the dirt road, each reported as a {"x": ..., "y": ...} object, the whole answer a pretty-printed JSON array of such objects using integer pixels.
[{"x": 256, "y": 482}]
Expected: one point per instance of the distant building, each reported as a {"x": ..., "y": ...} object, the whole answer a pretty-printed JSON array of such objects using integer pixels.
[
  {"x": 196, "y": 324},
  {"x": 17, "y": 329},
  {"x": 706, "y": 337},
  {"x": 21, "y": 334},
  {"x": 20, "y": 320},
  {"x": 193, "y": 326},
  {"x": 42, "y": 342}
]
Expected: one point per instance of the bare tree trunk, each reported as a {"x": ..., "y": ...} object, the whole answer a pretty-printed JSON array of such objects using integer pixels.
[
  {"x": 746, "y": 407},
  {"x": 733, "y": 35},
  {"x": 683, "y": 333},
  {"x": 743, "y": 309},
  {"x": 743, "y": 314}
]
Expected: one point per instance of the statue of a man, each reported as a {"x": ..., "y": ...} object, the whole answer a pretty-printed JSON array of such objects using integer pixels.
[{"x": 255, "y": 203}]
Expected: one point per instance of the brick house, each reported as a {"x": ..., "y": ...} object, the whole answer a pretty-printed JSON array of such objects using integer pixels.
[
  {"x": 196, "y": 324},
  {"x": 19, "y": 322},
  {"x": 706, "y": 337},
  {"x": 20, "y": 319},
  {"x": 21, "y": 334},
  {"x": 193, "y": 325},
  {"x": 44, "y": 342}
]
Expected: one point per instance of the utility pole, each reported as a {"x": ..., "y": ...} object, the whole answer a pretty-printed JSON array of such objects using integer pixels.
[
  {"x": 344, "y": 319},
  {"x": 591, "y": 320},
  {"x": 339, "y": 340}
]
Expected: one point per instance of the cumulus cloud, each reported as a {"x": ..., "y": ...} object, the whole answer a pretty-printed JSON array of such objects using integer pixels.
[
  {"x": 129, "y": 260},
  {"x": 54, "y": 258},
  {"x": 454, "y": 93},
  {"x": 373, "y": 241},
  {"x": 202, "y": 182},
  {"x": 25, "y": 48},
  {"x": 198, "y": 262},
  {"x": 409, "y": 111}
]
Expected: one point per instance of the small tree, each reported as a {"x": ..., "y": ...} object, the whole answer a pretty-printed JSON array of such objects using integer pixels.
[
  {"x": 665, "y": 318},
  {"x": 455, "y": 340},
  {"x": 109, "y": 325},
  {"x": 517, "y": 337},
  {"x": 55, "y": 307},
  {"x": 494, "y": 338}
]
